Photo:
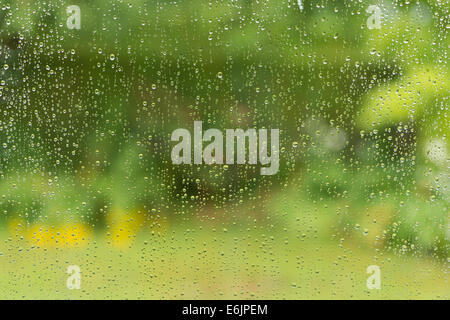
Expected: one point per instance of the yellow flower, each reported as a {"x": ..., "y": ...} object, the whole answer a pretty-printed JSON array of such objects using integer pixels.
[
  {"x": 124, "y": 226},
  {"x": 66, "y": 236}
]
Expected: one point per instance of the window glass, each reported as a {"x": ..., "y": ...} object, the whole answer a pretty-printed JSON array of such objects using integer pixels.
[{"x": 224, "y": 149}]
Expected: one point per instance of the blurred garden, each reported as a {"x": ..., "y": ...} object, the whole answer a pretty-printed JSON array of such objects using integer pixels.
[{"x": 86, "y": 176}]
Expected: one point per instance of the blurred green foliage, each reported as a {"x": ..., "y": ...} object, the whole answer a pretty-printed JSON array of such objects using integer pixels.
[{"x": 86, "y": 115}]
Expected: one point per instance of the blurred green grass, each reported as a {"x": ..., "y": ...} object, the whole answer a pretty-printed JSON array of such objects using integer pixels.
[
  {"x": 298, "y": 251},
  {"x": 210, "y": 265}
]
